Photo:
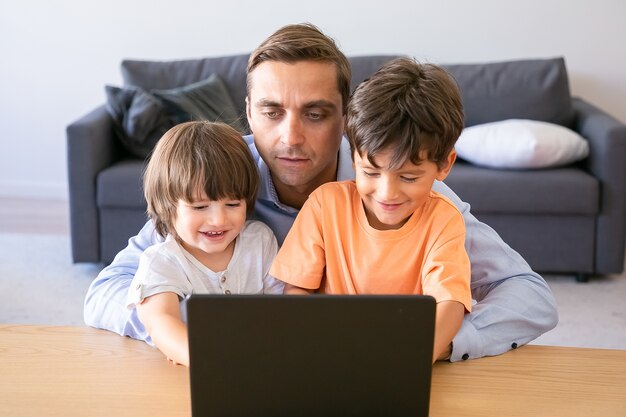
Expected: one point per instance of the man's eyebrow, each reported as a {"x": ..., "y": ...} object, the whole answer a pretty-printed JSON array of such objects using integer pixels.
[
  {"x": 265, "y": 102},
  {"x": 324, "y": 104}
]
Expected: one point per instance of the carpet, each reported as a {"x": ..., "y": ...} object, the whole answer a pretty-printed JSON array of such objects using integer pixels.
[
  {"x": 38, "y": 281},
  {"x": 591, "y": 315}
]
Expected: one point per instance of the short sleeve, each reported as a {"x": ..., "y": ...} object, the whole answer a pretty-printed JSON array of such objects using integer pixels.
[
  {"x": 446, "y": 274},
  {"x": 160, "y": 270},
  {"x": 304, "y": 242}
]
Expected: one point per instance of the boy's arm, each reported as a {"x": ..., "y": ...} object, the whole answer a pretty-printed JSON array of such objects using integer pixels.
[
  {"x": 514, "y": 304},
  {"x": 305, "y": 240},
  {"x": 293, "y": 290},
  {"x": 448, "y": 321},
  {"x": 160, "y": 314},
  {"x": 105, "y": 302}
]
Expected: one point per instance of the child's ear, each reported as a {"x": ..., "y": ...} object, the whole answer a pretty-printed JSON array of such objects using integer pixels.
[{"x": 447, "y": 166}]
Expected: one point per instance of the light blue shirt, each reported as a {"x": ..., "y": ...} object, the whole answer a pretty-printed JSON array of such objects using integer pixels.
[{"x": 514, "y": 305}]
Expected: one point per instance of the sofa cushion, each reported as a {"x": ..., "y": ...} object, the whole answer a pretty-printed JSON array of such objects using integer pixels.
[
  {"x": 364, "y": 66},
  {"x": 140, "y": 119},
  {"x": 516, "y": 143},
  {"x": 556, "y": 191},
  {"x": 171, "y": 74},
  {"x": 232, "y": 69},
  {"x": 524, "y": 89},
  {"x": 204, "y": 100},
  {"x": 121, "y": 185}
]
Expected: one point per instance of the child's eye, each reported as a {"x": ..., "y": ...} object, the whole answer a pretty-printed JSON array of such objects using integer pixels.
[
  {"x": 370, "y": 174},
  {"x": 408, "y": 179},
  {"x": 233, "y": 204},
  {"x": 200, "y": 207}
]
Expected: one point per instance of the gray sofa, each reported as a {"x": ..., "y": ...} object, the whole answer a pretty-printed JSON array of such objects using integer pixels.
[{"x": 570, "y": 219}]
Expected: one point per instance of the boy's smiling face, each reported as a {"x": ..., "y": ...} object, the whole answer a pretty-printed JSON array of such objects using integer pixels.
[
  {"x": 207, "y": 229},
  {"x": 391, "y": 196}
]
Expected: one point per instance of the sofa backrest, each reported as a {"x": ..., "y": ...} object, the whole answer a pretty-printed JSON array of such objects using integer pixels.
[
  {"x": 535, "y": 89},
  {"x": 163, "y": 75},
  {"x": 231, "y": 69}
]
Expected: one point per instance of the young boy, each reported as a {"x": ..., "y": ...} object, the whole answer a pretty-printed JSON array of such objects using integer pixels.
[
  {"x": 200, "y": 184},
  {"x": 387, "y": 232}
]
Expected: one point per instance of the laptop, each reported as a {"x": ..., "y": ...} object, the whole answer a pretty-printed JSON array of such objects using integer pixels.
[{"x": 318, "y": 355}]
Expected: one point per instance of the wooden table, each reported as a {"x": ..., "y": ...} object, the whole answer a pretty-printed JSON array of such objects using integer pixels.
[{"x": 79, "y": 371}]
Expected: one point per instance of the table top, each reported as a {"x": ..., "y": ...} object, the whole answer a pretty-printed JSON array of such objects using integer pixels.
[{"x": 78, "y": 371}]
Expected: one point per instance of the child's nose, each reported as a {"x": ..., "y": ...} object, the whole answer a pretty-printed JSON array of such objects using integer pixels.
[
  {"x": 387, "y": 190},
  {"x": 217, "y": 215}
]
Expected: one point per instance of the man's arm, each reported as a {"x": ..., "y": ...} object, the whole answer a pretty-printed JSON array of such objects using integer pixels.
[
  {"x": 105, "y": 302},
  {"x": 514, "y": 304}
]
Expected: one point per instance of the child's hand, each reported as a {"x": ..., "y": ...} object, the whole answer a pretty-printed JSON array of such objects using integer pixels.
[
  {"x": 173, "y": 361},
  {"x": 160, "y": 314}
]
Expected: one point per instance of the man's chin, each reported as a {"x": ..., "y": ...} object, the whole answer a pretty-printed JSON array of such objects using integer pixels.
[{"x": 291, "y": 180}]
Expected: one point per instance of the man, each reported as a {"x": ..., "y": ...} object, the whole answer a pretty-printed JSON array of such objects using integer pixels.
[{"x": 298, "y": 87}]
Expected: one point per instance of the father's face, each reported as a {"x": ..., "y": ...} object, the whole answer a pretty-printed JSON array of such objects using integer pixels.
[{"x": 295, "y": 112}]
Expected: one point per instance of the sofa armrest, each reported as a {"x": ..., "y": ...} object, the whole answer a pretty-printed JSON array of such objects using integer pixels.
[
  {"x": 91, "y": 147},
  {"x": 606, "y": 162}
]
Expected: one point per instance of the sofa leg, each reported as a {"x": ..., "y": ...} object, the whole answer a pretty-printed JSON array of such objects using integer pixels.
[{"x": 582, "y": 277}]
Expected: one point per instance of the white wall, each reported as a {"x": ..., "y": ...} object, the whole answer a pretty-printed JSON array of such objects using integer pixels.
[{"x": 56, "y": 56}]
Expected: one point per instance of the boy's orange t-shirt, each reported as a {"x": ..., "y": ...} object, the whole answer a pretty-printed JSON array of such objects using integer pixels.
[{"x": 332, "y": 248}]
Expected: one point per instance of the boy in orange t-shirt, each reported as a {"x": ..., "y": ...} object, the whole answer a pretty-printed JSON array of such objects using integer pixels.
[{"x": 387, "y": 232}]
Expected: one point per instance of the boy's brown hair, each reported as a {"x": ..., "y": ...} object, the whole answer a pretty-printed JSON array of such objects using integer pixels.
[
  {"x": 303, "y": 42},
  {"x": 408, "y": 107},
  {"x": 196, "y": 158}
]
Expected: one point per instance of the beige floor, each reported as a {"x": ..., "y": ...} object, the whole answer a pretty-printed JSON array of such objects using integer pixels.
[{"x": 23, "y": 215}]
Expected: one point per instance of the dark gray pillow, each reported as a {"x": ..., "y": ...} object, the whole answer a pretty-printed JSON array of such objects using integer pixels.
[
  {"x": 140, "y": 119},
  {"x": 205, "y": 100},
  {"x": 171, "y": 74}
]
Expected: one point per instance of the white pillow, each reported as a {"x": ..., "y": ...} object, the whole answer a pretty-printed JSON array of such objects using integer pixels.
[{"x": 521, "y": 144}]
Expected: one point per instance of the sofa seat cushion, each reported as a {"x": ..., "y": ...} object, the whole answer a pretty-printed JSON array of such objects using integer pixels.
[
  {"x": 121, "y": 185},
  {"x": 567, "y": 190},
  {"x": 555, "y": 191}
]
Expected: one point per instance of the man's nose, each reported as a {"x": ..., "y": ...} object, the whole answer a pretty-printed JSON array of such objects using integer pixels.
[{"x": 292, "y": 132}]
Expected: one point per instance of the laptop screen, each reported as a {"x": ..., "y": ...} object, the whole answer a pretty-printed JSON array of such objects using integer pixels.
[{"x": 262, "y": 355}]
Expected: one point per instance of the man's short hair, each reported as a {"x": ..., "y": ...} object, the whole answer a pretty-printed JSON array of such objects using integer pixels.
[
  {"x": 303, "y": 42},
  {"x": 408, "y": 107},
  {"x": 196, "y": 158}
]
